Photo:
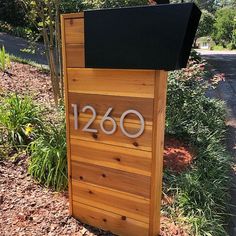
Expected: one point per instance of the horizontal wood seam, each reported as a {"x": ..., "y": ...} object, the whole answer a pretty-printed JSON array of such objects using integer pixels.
[
  {"x": 135, "y": 148},
  {"x": 124, "y": 194},
  {"x": 145, "y": 222}
]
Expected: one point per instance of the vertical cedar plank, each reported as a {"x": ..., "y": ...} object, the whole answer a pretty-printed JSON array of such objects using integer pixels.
[
  {"x": 159, "y": 111},
  {"x": 64, "y": 60}
]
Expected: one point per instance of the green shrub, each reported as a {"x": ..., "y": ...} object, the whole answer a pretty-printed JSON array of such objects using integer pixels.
[
  {"x": 18, "y": 31},
  {"x": 231, "y": 46},
  {"x": 48, "y": 163},
  {"x": 4, "y": 59},
  {"x": 218, "y": 47},
  {"x": 201, "y": 192},
  {"x": 190, "y": 114},
  {"x": 19, "y": 119}
]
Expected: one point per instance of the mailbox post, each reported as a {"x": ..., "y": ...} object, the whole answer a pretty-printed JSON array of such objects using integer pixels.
[{"x": 115, "y": 71}]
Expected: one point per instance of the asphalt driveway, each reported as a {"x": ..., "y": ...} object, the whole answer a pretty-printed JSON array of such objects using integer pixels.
[{"x": 15, "y": 45}]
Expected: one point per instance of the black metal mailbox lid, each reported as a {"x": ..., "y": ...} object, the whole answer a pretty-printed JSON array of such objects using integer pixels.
[{"x": 147, "y": 37}]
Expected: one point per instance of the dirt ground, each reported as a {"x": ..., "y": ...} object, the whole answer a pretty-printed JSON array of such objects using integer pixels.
[{"x": 27, "y": 208}]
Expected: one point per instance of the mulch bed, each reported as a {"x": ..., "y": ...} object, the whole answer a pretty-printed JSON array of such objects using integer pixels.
[
  {"x": 27, "y": 208},
  {"x": 177, "y": 155},
  {"x": 27, "y": 80}
]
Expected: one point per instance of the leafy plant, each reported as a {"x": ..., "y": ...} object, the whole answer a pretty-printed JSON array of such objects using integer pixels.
[
  {"x": 205, "y": 27},
  {"x": 200, "y": 194},
  {"x": 4, "y": 60},
  {"x": 45, "y": 16},
  {"x": 112, "y": 3},
  {"x": 48, "y": 162},
  {"x": 20, "y": 119},
  {"x": 224, "y": 26}
]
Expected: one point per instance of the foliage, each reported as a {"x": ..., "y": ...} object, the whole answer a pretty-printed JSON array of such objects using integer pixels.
[
  {"x": 191, "y": 113},
  {"x": 111, "y": 3},
  {"x": 19, "y": 119},
  {"x": 224, "y": 26},
  {"x": 12, "y": 12},
  {"x": 48, "y": 162},
  {"x": 45, "y": 17},
  {"x": 209, "y": 6},
  {"x": 4, "y": 60},
  {"x": 205, "y": 27},
  {"x": 231, "y": 46},
  {"x": 70, "y": 6},
  {"x": 227, "y": 3},
  {"x": 200, "y": 194},
  {"x": 218, "y": 48}
]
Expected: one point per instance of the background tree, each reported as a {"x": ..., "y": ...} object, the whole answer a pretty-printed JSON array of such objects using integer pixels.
[
  {"x": 205, "y": 27},
  {"x": 208, "y": 5},
  {"x": 45, "y": 16},
  {"x": 224, "y": 26},
  {"x": 12, "y": 12},
  {"x": 226, "y": 3},
  {"x": 111, "y": 3}
]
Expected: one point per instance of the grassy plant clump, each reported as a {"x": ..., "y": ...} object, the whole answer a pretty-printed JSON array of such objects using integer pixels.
[
  {"x": 19, "y": 120},
  {"x": 200, "y": 193},
  {"x": 4, "y": 60},
  {"x": 48, "y": 163},
  {"x": 40, "y": 67}
]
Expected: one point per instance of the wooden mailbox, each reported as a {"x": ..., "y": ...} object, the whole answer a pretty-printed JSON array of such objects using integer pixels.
[{"x": 115, "y": 110}]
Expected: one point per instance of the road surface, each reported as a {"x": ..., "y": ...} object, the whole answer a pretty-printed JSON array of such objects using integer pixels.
[{"x": 15, "y": 45}]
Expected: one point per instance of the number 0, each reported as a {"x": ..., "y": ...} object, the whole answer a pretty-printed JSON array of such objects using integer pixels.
[{"x": 139, "y": 133}]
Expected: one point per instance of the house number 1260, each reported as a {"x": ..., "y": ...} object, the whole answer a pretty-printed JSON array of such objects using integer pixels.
[{"x": 106, "y": 118}]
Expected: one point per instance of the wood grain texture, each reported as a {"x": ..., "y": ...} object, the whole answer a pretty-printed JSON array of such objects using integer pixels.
[
  {"x": 101, "y": 103},
  {"x": 73, "y": 15},
  {"x": 117, "y": 139},
  {"x": 119, "y": 158},
  {"x": 159, "y": 112},
  {"x": 74, "y": 31},
  {"x": 115, "y": 223},
  {"x": 114, "y": 201},
  {"x": 75, "y": 55},
  {"x": 67, "y": 112},
  {"x": 111, "y": 178},
  {"x": 129, "y": 83}
]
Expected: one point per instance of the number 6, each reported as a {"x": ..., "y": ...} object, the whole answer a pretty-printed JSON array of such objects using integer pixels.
[{"x": 107, "y": 118}]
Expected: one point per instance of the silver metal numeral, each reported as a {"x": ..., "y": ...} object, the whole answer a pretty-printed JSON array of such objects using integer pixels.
[
  {"x": 105, "y": 118},
  {"x": 75, "y": 110},
  {"x": 92, "y": 119},
  {"x": 139, "y": 133}
]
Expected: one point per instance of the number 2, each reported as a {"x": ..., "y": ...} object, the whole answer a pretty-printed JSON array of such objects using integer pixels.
[{"x": 92, "y": 119}]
